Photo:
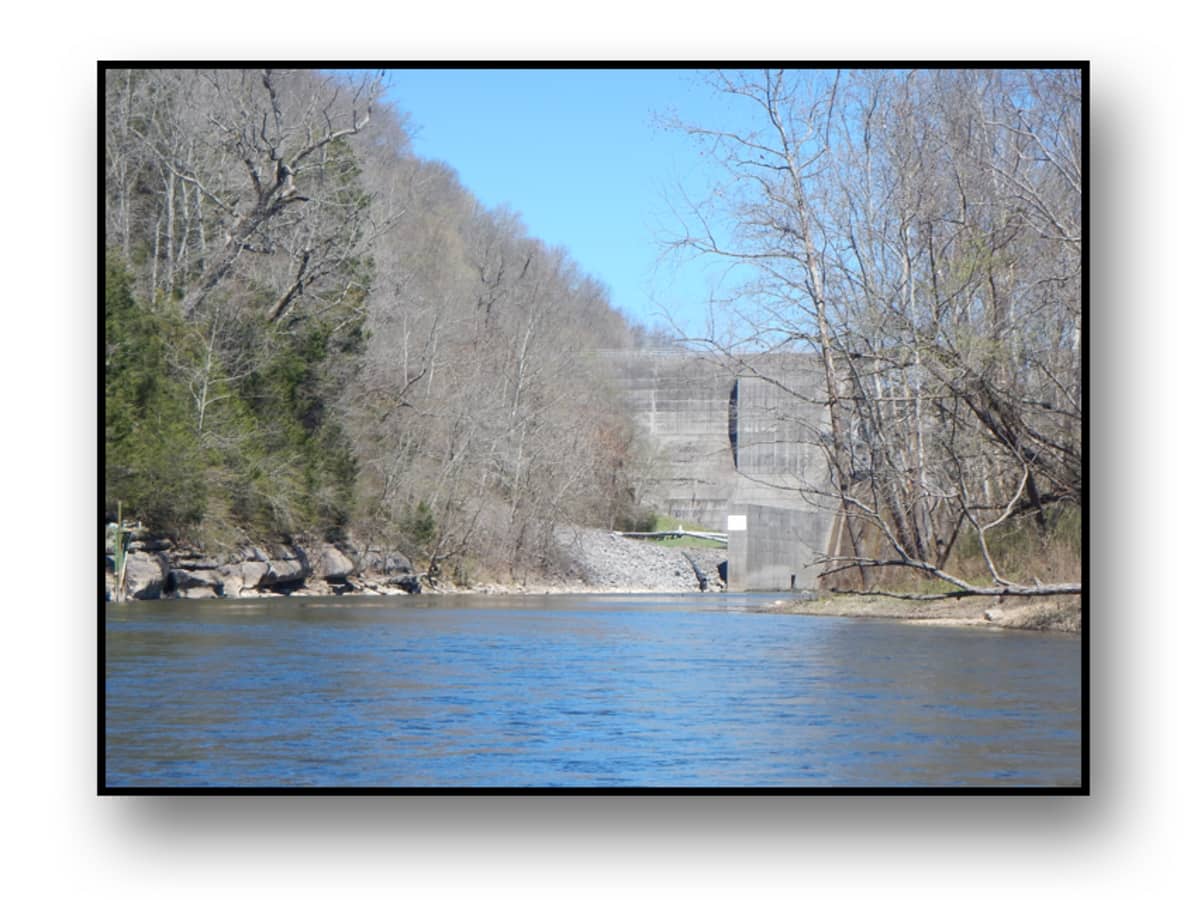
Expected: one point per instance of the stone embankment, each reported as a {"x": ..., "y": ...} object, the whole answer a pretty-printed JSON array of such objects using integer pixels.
[
  {"x": 158, "y": 567},
  {"x": 591, "y": 560},
  {"x": 585, "y": 560}
]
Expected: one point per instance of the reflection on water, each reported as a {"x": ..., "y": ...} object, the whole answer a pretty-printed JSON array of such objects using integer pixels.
[{"x": 471, "y": 691}]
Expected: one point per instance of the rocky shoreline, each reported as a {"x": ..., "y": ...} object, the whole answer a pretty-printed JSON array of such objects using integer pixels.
[
  {"x": 158, "y": 568},
  {"x": 586, "y": 560}
]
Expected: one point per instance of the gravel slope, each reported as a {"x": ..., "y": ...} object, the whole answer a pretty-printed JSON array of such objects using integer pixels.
[{"x": 591, "y": 560}]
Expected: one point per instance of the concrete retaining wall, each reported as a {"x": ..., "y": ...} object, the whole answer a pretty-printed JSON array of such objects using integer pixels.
[{"x": 744, "y": 441}]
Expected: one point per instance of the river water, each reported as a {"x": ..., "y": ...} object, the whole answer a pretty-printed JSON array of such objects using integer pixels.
[{"x": 572, "y": 691}]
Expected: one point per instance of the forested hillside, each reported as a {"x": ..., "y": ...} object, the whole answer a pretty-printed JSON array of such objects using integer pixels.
[{"x": 311, "y": 331}]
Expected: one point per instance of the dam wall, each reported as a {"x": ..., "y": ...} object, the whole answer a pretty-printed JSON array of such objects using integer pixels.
[{"x": 737, "y": 447}]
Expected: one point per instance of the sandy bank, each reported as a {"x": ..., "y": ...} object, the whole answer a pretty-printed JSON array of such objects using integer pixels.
[{"x": 1063, "y": 613}]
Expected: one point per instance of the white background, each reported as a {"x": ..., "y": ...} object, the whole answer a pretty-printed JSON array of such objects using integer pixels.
[{"x": 1137, "y": 828}]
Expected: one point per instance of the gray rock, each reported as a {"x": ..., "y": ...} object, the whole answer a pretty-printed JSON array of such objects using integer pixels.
[
  {"x": 196, "y": 584},
  {"x": 260, "y": 572},
  {"x": 287, "y": 552},
  {"x": 145, "y": 575},
  {"x": 231, "y": 579},
  {"x": 408, "y": 583},
  {"x": 282, "y": 572},
  {"x": 334, "y": 565},
  {"x": 151, "y": 545},
  {"x": 196, "y": 562},
  {"x": 385, "y": 562},
  {"x": 253, "y": 575},
  {"x": 200, "y": 593}
]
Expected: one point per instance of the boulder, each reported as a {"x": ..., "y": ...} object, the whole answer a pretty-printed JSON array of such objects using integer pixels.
[
  {"x": 145, "y": 575},
  {"x": 195, "y": 584},
  {"x": 282, "y": 573},
  {"x": 334, "y": 565},
  {"x": 253, "y": 575},
  {"x": 410, "y": 583},
  {"x": 385, "y": 562},
  {"x": 231, "y": 579}
]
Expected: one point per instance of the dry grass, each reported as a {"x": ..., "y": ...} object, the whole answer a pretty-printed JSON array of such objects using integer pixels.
[
  {"x": 1026, "y": 613},
  {"x": 1020, "y": 551}
]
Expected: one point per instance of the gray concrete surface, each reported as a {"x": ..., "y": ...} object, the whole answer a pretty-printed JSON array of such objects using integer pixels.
[{"x": 743, "y": 440}]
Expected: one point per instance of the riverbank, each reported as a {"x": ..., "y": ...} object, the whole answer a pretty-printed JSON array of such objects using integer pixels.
[
  {"x": 581, "y": 560},
  {"x": 586, "y": 561},
  {"x": 595, "y": 561},
  {"x": 1060, "y": 613}
]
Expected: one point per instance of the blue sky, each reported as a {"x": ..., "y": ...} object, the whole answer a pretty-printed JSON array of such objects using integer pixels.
[{"x": 577, "y": 153}]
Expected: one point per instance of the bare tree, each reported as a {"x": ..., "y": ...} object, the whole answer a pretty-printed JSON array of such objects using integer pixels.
[
  {"x": 242, "y": 163},
  {"x": 919, "y": 232}
]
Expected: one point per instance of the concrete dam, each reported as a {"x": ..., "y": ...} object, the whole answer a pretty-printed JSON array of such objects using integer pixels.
[{"x": 738, "y": 448}]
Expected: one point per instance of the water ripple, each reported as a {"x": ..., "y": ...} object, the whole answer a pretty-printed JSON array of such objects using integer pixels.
[{"x": 576, "y": 692}]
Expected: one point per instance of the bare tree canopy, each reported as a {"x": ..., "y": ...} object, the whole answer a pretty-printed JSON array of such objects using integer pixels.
[
  {"x": 310, "y": 329},
  {"x": 922, "y": 232}
]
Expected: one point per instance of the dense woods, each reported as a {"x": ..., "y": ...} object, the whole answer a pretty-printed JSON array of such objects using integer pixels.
[
  {"x": 309, "y": 330},
  {"x": 922, "y": 232}
]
